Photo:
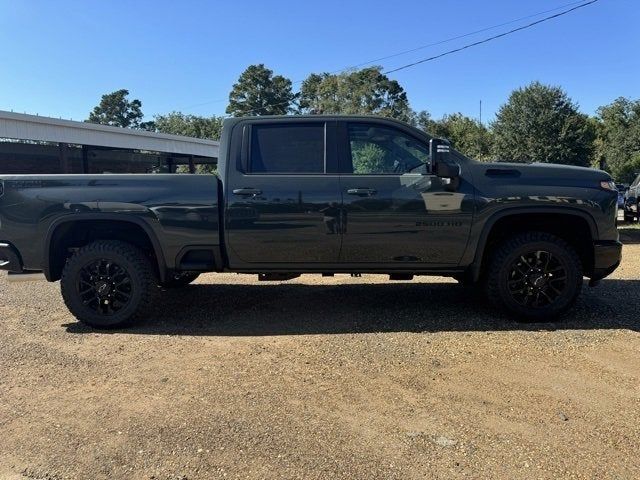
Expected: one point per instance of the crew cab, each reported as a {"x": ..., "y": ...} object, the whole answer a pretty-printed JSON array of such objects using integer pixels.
[{"x": 315, "y": 194}]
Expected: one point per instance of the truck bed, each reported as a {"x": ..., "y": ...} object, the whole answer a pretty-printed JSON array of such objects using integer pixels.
[{"x": 180, "y": 212}]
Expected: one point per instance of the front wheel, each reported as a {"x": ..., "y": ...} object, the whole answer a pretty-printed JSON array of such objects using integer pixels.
[
  {"x": 534, "y": 276},
  {"x": 108, "y": 284}
]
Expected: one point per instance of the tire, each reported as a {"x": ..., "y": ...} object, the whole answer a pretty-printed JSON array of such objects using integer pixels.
[
  {"x": 525, "y": 276},
  {"x": 180, "y": 279},
  {"x": 108, "y": 284}
]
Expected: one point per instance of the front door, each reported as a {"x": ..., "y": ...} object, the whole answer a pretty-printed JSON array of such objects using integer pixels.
[
  {"x": 395, "y": 212},
  {"x": 283, "y": 208}
]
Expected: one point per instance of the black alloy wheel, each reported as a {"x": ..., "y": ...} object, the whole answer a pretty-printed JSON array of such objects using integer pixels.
[
  {"x": 108, "y": 284},
  {"x": 104, "y": 286},
  {"x": 537, "y": 279},
  {"x": 534, "y": 276}
]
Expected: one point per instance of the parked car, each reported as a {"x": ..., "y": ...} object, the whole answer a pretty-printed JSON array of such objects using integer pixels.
[
  {"x": 316, "y": 194},
  {"x": 632, "y": 201}
]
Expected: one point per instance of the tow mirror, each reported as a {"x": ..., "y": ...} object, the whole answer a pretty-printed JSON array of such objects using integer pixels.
[
  {"x": 447, "y": 170},
  {"x": 440, "y": 151}
]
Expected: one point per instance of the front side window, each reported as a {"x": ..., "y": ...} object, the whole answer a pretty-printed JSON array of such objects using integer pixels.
[
  {"x": 287, "y": 148},
  {"x": 382, "y": 150}
]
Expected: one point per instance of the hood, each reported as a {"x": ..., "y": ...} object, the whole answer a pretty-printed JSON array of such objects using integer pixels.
[{"x": 544, "y": 173}]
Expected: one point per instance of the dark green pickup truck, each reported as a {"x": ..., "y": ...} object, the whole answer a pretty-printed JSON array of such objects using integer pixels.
[{"x": 318, "y": 194}]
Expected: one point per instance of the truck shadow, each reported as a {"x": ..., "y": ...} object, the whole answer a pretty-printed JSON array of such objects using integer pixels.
[{"x": 300, "y": 309}]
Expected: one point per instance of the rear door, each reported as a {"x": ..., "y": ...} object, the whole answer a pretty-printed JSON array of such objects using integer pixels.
[
  {"x": 283, "y": 198},
  {"x": 396, "y": 213}
]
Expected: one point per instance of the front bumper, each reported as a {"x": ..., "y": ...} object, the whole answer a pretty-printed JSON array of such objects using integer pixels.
[
  {"x": 606, "y": 258},
  {"x": 10, "y": 258}
]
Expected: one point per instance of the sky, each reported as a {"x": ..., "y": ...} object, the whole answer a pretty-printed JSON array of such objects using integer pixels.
[{"x": 59, "y": 57}]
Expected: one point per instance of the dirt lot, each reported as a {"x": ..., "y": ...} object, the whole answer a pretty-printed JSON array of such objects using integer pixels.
[{"x": 322, "y": 378}]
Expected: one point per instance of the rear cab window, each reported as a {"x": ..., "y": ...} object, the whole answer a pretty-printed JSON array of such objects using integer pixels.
[{"x": 283, "y": 148}]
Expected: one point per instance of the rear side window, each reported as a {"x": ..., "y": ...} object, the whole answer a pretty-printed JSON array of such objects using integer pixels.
[{"x": 287, "y": 148}]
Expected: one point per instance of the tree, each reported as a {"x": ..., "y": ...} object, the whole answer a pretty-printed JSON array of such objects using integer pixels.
[
  {"x": 540, "y": 123},
  {"x": 259, "y": 92},
  {"x": 618, "y": 142},
  {"x": 358, "y": 92},
  {"x": 116, "y": 110},
  {"x": 177, "y": 123},
  {"x": 467, "y": 135}
]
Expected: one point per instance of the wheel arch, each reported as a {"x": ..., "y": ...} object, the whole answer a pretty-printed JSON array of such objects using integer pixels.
[
  {"x": 562, "y": 221},
  {"x": 79, "y": 229}
]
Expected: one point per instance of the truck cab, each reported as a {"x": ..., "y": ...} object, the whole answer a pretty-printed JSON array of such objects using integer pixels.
[{"x": 342, "y": 194}]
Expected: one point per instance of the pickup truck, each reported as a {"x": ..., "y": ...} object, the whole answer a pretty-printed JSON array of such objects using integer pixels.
[{"x": 315, "y": 194}]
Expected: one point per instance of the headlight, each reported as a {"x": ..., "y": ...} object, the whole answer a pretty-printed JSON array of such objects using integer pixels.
[{"x": 608, "y": 185}]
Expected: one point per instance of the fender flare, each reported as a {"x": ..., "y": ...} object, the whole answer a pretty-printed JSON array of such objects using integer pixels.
[
  {"x": 78, "y": 217},
  {"x": 475, "y": 267}
]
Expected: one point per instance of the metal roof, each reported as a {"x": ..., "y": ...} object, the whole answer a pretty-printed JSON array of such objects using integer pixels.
[{"x": 33, "y": 127}]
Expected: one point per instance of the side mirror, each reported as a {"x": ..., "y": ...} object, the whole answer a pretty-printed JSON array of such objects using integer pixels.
[
  {"x": 447, "y": 170},
  {"x": 439, "y": 151},
  {"x": 443, "y": 166}
]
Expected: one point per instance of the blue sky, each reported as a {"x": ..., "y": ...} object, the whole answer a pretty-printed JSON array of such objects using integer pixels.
[{"x": 59, "y": 57}]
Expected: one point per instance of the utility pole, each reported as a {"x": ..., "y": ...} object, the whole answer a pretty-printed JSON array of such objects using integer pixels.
[{"x": 480, "y": 112}]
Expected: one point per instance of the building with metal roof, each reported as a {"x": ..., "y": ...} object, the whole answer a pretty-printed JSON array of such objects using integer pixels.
[{"x": 35, "y": 144}]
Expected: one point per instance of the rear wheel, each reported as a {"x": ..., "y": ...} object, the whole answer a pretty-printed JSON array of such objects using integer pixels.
[
  {"x": 108, "y": 284},
  {"x": 180, "y": 279},
  {"x": 534, "y": 276}
]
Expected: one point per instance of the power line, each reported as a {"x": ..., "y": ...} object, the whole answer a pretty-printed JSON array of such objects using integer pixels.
[
  {"x": 479, "y": 42},
  {"x": 458, "y": 37},
  {"x": 449, "y": 52},
  {"x": 422, "y": 47}
]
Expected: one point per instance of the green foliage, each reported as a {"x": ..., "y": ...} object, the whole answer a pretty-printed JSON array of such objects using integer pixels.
[
  {"x": 467, "y": 135},
  {"x": 177, "y": 123},
  {"x": 540, "y": 123},
  {"x": 259, "y": 92},
  {"x": 357, "y": 92},
  {"x": 367, "y": 158},
  {"x": 116, "y": 110},
  {"x": 618, "y": 143}
]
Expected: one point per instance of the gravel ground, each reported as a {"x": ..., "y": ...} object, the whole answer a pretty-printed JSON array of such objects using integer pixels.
[{"x": 322, "y": 378}]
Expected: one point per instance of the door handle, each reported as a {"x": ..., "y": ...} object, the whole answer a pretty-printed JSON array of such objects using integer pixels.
[
  {"x": 362, "y": 192},
  {"x": 247, "y": 192}
]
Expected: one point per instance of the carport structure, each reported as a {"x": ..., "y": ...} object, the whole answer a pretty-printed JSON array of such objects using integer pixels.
[{"x": 35, "y": 144}]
